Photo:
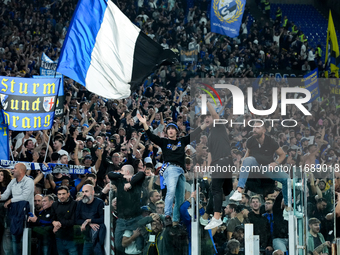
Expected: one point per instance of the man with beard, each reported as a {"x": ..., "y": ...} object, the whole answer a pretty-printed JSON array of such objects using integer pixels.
[
  {"x": 260, "y": 150},
  {"x": 37, "y": 203},
  {"x": 316, "y": 243},
  {"x": 44, "y": 221},
  {"x": 62, "y": 216},
  {"x": 89, "y": 214}
]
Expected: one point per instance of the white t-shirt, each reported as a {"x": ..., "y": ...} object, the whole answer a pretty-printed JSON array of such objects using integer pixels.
[
  {"x": 303, "y": 52},
  {"x": 276, "y": 39},
  {"x": 132, "y": 248},
  {"x": 245, "y": 29},
  {"x": 311, "y": 56},
  {"x": 165, "y": 46}
]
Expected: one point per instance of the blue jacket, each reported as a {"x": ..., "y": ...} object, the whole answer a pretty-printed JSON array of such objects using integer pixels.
[{"x": 17, "y": 216}]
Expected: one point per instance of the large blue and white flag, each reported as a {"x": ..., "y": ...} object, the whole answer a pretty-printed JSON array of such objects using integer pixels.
[
  {"x": 226, "y": 16},
  {"x": 106, "y": 53}
]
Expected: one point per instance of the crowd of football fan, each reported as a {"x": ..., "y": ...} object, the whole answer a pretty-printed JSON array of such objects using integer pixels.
[{"x": 106, "y": 135}]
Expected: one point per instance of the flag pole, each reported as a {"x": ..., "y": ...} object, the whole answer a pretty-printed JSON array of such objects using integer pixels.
[
  {"x": 55, "y": 104},
  {"x": 11, "y": 153},
  {"x": 48, "y": 144}
]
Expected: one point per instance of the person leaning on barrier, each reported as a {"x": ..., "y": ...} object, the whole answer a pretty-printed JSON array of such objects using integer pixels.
[
  {"x": 21, "y": 188},
  {"x": 5, "y": 234},
  {"x": 90, "y": 215},
  {"x": 63, "y": 217},
  {"x": 42, "y": 224}
]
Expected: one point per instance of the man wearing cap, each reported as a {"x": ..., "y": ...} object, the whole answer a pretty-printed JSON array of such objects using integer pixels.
[
  {"x": 86, "y": 151},
  {"x": 241, "y": 218},
  {"x": 173, "y": 150},
  {"x": 316, "y": 243},
  {"x": 89, "y": 145}
]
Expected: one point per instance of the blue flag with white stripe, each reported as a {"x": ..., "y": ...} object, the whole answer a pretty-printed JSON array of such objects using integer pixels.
[
  {"x": 226, "y": 16},
  {"x": 104, "y": 51}
]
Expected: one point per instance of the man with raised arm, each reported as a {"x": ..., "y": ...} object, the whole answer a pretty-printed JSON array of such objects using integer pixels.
[
  {"x": 173, "y": 149},
  {"x": 219, "y": 157}
]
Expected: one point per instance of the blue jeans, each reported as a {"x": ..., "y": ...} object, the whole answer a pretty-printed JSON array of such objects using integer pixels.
[
  {"x": 66, "y": 247},
  {"x": 129, "y": 224},
  {"x": 7, "y": 242},
  {"x": 175, "y": 183},
  {"x": 280, "y": 244},
  {"x": 279, "y": 176},
  {"x": 88, "y": 248},
  {"x": 17, "y": 244}
]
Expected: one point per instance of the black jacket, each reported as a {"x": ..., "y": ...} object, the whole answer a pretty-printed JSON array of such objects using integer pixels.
[
  {"x": 174, "y": 150},
  {"x": 280, "y": 226},
  {"x": 261, "y": 228},
  {"x": 44, "y": 218},
  {"x": 93, "y": 211},
  {"x": 128, "y": 202},
  {"x": 65, "y": 213},
  {"x": 17, "y": 215}
]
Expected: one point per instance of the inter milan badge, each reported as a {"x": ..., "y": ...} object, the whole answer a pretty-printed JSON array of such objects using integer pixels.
[
  {"x": 228, "y": 10},
  {"x": 174, "y": 147}
]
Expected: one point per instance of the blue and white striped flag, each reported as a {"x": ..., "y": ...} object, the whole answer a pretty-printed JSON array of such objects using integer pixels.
[{"x": 104, "y": 51}]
